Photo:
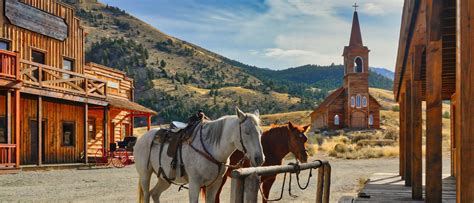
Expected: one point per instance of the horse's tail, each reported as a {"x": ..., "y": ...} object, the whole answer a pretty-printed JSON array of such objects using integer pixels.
[
  {"x": 203, "y": 193},
  {"x": 140, "y": 192}
]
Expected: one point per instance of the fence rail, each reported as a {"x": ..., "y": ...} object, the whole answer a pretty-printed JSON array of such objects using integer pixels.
[
  {"x": 245, "y": 181},
  {"x": 44, "y": 76},
  {"x": 7, "y": 152},
  {"x": 8, "y": 64}
]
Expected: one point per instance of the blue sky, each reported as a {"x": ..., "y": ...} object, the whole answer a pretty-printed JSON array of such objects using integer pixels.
[{"x": 276, "y": 34}]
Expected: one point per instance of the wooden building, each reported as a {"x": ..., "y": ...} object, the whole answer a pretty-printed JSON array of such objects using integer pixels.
[
  {"x": 53, "y": 106},
  {"x": 435, "y": 63},
  {"x": 350, "y": 106}
]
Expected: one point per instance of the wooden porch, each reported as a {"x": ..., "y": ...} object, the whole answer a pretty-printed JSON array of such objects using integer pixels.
[{"x": 389, "y": 187}]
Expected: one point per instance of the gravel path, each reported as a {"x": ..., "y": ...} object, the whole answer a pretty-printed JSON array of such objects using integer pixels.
[{"x": 120, "y": 185}]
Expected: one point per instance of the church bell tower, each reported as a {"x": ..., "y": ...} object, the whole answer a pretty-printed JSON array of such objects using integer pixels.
[{"x": 356, "y": 77}]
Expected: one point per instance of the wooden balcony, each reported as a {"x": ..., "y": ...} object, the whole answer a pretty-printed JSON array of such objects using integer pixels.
[
  {"x": 8, "y": 66},
  {"x": 7, "y": 152},
  {"x": 46, "y": 77}
]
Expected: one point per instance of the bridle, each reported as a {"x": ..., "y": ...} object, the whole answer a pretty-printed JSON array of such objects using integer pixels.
[{"x": 206, "y": 154}]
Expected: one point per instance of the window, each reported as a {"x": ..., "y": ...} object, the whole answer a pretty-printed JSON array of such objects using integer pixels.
[
  {"x": 3, "y": 130},
  {"x": 69, "y": 66},
  {"x": 371, "y": 119},
  {"x": 68, "y": 133},
  {"x": 4, "y": 45},
  {"x": 358, "y": 65},
  {"x": 37, "y": 57},
  {"x": 91, "y": 128},
  {"x": 364, "y": 101},
  {"x": 352, "y": 101},
  {"x": 358, "y": 101},
  {"x": 336, "y": 119}
]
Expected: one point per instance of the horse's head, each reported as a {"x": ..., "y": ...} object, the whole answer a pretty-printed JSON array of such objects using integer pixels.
[
  {"x": 249, "y": 137},
  {"x": 298, "y": 141}
]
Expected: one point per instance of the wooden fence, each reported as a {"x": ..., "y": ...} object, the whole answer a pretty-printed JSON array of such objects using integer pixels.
[
  {"x": 245, "y": 181},
  {"x": 6, "y": 153}
]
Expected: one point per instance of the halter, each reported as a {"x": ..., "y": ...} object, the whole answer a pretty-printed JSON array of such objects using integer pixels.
[{"x": 240, "y": 134}]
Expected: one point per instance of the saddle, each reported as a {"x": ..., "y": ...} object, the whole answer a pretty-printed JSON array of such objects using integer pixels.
[{"x": 175, "y": 136}]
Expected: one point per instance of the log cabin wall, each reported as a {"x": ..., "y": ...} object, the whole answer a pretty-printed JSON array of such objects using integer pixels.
[
  {"x": 55, "y": 113},
  {"x": 118, "y": 83},
  {"x": 24, "y": 41}
]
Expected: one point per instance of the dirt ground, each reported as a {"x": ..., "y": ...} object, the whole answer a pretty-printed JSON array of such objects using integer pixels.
[{"x": 120, "y": 185}]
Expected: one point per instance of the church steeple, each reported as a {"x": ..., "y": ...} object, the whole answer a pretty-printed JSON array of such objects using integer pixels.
[{"x": 356, "y": 36}]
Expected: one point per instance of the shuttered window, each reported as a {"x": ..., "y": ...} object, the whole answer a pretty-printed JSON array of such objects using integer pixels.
[{"x": 69, "y": 134}]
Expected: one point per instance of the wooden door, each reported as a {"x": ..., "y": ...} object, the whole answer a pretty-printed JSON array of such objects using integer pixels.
[
  {"x": 34, "y": 142},
  {"x": 358, "y": 120}
]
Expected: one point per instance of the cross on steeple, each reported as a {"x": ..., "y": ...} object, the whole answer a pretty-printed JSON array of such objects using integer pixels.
[{"x": 355, "y": 6}]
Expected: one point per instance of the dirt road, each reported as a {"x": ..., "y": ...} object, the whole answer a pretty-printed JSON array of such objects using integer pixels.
[{"x": 120, "y": 185}]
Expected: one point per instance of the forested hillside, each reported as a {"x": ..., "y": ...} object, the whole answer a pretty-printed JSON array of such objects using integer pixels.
[{"x": 175, "y": 77}]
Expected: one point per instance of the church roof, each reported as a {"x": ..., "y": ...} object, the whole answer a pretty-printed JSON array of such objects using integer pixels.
[
  {"x": 356, "y": 36},
  {"x": 329, "y": 99}
]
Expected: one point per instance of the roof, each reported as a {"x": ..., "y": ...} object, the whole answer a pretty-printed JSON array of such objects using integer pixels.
[
  {"x": 329, "y": 99},
  {"x": 128, "y": 105},
  {"x": 356, "y": 36},
  {"x": 376, "y": 101}
]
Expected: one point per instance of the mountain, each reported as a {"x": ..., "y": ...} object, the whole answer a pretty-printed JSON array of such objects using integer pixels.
[
  {"x": 175, "y": 77},
  {"x": 385, "y": 72}
]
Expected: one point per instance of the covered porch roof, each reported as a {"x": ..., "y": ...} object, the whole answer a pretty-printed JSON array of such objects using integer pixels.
[{"x": 127, "y": 105}]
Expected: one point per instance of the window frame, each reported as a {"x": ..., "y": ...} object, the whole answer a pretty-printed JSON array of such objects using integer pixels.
[
  {"x": 8, "y": 43},
  {"x": 73, "y": 137},
  {"x": 355, "y": 64},
  {"x": 371, "y": 120},
  {"x": 337, "y": 120},
  {"x": 73, "y": 67},
  {"x": 358, "y": 101},
  {"x": 91, "y": 135},
  {"x": 352, "y": 101},
  {"x": 364, "y": 101}
]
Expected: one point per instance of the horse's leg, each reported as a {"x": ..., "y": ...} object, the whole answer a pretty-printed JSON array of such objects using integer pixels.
[
  {"x": 159, "y": 188},
  {"x": 194, "y": 189},
  {"x": 145, "y": 184},
  {"x": 267, "y": 185},
  {"x": 224, "y": 179},
  {"x": 212, "y": 191}
]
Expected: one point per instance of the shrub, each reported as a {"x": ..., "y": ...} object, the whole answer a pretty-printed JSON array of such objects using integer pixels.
[
  {"x": 396, "y": 108},
  {"x": 446, "y": 115}
]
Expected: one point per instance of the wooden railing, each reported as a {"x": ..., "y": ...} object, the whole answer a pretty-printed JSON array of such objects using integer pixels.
[
  {"x": 7, "y": 152},
  {"x": 43, "y": 76},
  {"x": 8, "y": 65}
]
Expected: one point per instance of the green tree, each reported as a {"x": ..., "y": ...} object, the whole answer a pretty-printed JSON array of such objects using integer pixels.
[{"x": 163, "y": 63}]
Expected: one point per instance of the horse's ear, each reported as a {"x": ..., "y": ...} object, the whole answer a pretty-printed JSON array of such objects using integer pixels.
[
  {"x": 306, "y": 128},
  {"x": 290, "y": 124},
  {"x": 239, "y": 113},
  {"x": 257, "y": 113}
]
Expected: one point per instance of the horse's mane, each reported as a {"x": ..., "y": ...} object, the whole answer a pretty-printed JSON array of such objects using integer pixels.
[{"x": 214, "y": 128}]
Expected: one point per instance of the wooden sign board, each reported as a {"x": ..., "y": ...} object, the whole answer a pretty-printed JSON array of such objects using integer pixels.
[{"x": 36, "y": 20}]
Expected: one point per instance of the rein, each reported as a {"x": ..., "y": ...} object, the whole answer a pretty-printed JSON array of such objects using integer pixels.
[{"x": 206, "y": 154}]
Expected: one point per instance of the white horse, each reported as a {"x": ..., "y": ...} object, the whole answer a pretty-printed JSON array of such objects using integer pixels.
[{"x": 220, "y": 138}]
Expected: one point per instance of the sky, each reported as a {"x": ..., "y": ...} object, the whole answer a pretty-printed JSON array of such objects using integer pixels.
[{"x": 276, "y": 34}]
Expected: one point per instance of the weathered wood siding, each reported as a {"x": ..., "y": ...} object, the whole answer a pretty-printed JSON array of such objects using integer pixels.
[
  {"x": 54, "y": 113},
  {"x": 374, "y": 109},
  {"x": 96, "y": 143},
  {"x": 24, "y": 41},
  {"x": 118, "y": 82}
]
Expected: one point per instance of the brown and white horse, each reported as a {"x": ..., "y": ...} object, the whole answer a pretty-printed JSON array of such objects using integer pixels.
[{"x": 277, "y": 142}]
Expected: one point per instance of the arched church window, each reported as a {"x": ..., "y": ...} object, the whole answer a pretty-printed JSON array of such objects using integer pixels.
[
  {"x": 371, "y": 119},
  {"x": 358, "y": 101},
  {"x": 364, "y": 101},
  {"x": 358, "y": 65},
  {"x": 336, "y": 119},
  {"x": 352, "y": 101}
]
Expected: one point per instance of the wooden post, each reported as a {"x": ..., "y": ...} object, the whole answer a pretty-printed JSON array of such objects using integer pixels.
[
  {"x": 408, "y": 132},
  {"x": 465, "y": 104},
  {"x": 237, "y": 190},
  {"x": 132, "y": 123},
  {"x": 17, "y": 127},
  {"x": 105, "y": 123},
  {"x": 327, "y": 183},
  {"x": 39, "y": 119},
  {"x": 86, "y": 132},
  {"x": 148, "y": 121},
  {"x": 251, "y": 188},
  {"x": 319, "y": 189},
  {"x": 417, "y": 126},
  {"x": 401, "y": 138},
  {"x": 8, "y": 106},
  {"x": 433, "y": 122}
]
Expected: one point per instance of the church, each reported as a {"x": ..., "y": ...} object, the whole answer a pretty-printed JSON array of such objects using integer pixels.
[{"x": 350, "y": 106}]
